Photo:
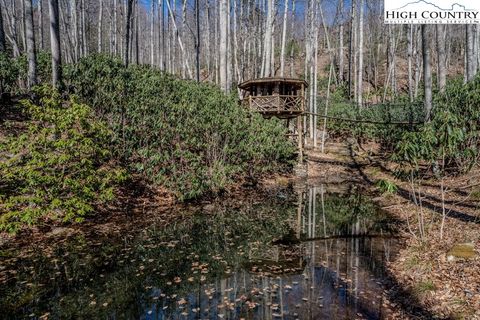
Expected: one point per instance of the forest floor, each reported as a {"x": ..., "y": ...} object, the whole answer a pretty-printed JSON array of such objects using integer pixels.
[{"x": 429, "y": 280}]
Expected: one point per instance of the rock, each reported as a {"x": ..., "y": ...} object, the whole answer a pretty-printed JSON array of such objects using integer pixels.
[{"x": 461, "y": 251}]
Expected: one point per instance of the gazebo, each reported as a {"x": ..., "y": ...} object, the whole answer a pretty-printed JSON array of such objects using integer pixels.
[
  {"x": 275, "y": 97},
  {"x": 283, "y": 98}
]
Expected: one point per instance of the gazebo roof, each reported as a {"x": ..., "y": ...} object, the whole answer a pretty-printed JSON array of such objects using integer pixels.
[{"x": 263, "y": 81}]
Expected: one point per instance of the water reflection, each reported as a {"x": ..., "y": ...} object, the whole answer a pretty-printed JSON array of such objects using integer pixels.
[{"x": 315, "y": 253}]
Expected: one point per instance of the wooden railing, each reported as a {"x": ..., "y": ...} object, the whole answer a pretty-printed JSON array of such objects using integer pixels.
[{"x": 275, "y": 104}]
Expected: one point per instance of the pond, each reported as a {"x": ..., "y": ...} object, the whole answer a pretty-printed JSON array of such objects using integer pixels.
[{"x": 316, "y": 252}]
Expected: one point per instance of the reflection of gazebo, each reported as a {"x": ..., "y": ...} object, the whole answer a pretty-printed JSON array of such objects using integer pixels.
[
  {"x": 283, "y": 98},
  {"x": 275, "y": 97}
]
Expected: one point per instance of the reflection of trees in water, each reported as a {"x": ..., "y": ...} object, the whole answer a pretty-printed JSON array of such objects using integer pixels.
[
  {"x": 322, "y": 214},
  {"x": 221, "y": 264},
  {"x": 124, "y": 270}
]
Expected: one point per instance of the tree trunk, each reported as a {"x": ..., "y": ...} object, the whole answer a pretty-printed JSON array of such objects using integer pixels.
[
  {"x": 470, "y": 67},
  {"x": 284, "y": 34},
  {"x": 162, "y": 24},
  {"x": 341, "y": 62},
  {"x": 55, "y": 43},
  {"x": 74, "y": 28},
  {"x": 351, "y": 49},
  {"x": 40, "y": 24},
  {"x": 114, "y": 36},
  {"x": 3, "y": 46},
  {"x": 84, "y": 30},
  {"x": 128, "y": 26},
  {"x": 100, "y": 20},
  {"x": 442, "y": 61},
  {"x": 410, "y": 57},
  {"x": 292, "y": 60},
  {"x": 152, "y": 33},
  {"x": 268, "y": 40},
  {"x": 197, "y": 42},
  {"x": 180, "y": 42},
  {"x": 427, "y": 73},
  {"x": 137, "y": 48},
  {"x": 223, "y": 45},
  {"x": 360, "y": 56},
  {"x": 31, "y": 51}
]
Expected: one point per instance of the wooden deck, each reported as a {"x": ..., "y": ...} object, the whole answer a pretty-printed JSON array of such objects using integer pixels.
[{"x": 281, "y": 106}]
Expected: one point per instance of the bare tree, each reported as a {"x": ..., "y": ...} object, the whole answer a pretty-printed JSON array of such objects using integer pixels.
[
  {"x": 442, "y": 61},
  {"x": 55, "y": 43},
  {"x": 360, "y": 56},
  {"x": 223, "y": 13},
  {"x": 152, "y": 33},
  {"x": 115, "y": 30},
  {"x": 284, "y": 34},
  {"x": 127, "y": 32},
  {"x": 292, "y": 62},
  {"x": 410, "y": 57},
  {"x": 470, "y": 59},
  {"x": 40, "y": 24},
  {"x": 100, "y": 21},
  {"x": 351, "y": 48},
  {"x": 340, "y": 45},
  {"x": 427, "y": 72},
  {"x": 31, "y": 51},
  {"x": 267, "y": 58},
  {"x": 3, "y": 46}
]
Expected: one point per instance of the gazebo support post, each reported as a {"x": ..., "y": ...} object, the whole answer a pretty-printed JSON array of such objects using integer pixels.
[{"x": 300, "y": 138}]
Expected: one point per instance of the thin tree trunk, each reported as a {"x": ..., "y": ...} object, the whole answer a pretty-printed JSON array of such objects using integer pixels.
[
  {"x": 114, "y": 36},
  {"x": 292, "y": 60},
  {"x": 351, "y": 49},
  {"x": 284, "y": 34},
  {"x": 74, "y": 28},
  {"x": 84, "y": 29},
  {"x": 100, "y": 20},
  {"x": 360, "y": 56},
  {"x": 327, "y": 101},
  {"x": 55, "y": 43},
  {"x": 127, "y": 32},
  {"x": 341, "y": 62},
  {"x": 31, "y": 51},
  {"x": 40, "y": 24},
  {"x": 268, "y": 40},
  {"x": 223, "y": 44},
  {"x": 427, "y": 73},
  {"x": 152, "y": 33},
  {"x": 3, "y": 46},
  {"x": 22, "y": 26},
  {"x": 180, "y": 43},
  {"x": 470, "y": 67},
  {"x": 410, "y": 57},
  {"x": 442, "y": 62},
  {"x": 136, "y": 18},
  {"x": 197, "y": 42}
]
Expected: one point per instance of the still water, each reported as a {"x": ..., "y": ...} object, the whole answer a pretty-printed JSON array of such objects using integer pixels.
[{"x": 314, "y": 253}]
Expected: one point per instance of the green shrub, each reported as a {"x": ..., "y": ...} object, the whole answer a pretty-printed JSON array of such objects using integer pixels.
[
  {"x": 59, "y": 168},
  {"x": 187, "y": 136},
  {"x": 452, "y": 136},
  {"x": 386, "y": 186},
  {"x": 8, "y": 74}
]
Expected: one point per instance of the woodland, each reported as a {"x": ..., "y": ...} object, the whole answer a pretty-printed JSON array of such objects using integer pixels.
[{"x": 102, "y": 98}]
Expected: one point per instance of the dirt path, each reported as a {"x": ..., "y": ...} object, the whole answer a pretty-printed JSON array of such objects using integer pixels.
[{"x": 427, "y": 281}]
